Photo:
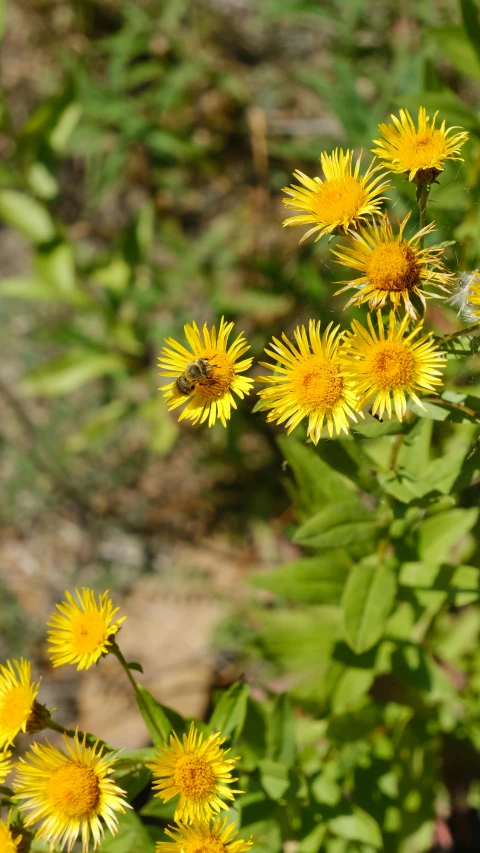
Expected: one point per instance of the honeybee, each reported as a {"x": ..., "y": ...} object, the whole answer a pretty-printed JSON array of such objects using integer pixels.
[{"x": 195, "y": 373}]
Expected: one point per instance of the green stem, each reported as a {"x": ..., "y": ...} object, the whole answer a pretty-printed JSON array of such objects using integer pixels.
[
  {"x": 422, "y": 197},
  {"x": 138, "y": 693},
  {"x": 90, "y": 739},
  {"x": 470, "y": 331}
]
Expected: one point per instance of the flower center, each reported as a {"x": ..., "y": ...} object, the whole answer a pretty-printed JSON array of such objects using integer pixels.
[
  {"x": 339, "y": 200},
  {"x": 194, "y": 777},
  {"x": 73, "y": 790},
  {"x": 392, "y": 266},
  {"x": 317, "y": 382},
  {"x": 15, "y": 708},
  {"x": 209, "y": 844},
  {"x": 220, "y": 377},
  {"x": 88, "y": 632},
  {"x": 422, "y": 150},
  {"x": 7, "y": 843},
  {"x": 391, "y": 364}
]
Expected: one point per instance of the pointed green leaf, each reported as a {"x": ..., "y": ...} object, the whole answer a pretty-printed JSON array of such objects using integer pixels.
[
  {"x": 159, "y": 719},
  {"x": 229, "y": 714},
  {"x": 368, "y": 598}
]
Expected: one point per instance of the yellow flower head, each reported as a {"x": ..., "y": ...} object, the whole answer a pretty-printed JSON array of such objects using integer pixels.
[
  {"x": 393, "y": 364},
  {"x": 309, "y": 380},
  {"x": 341, "y": 201},
  {"x": 10, "y": 837},
  {"x": 198, "y": 770},
  {"x": 419, "y": 151},
  {"x": 207, "y": 837},
  {"x": 17, "y": 699},
  {"x": 69, "y": 793},
  {"x": 5, "y": 767},
  {"x": 393, "y": 268},
  {"x": 82, "y": 632},
  {"x": 206, "y": 374},
  {"x": 467, "y": 297}
]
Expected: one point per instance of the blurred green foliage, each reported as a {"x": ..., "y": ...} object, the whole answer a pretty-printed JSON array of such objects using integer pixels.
[{"x": 144, "y": 186}]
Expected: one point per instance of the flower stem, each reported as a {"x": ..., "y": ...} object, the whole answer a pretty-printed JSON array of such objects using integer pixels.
[
  {"x": 423, "y": 191},
  {"x": 139, "y": 697},
  {"x": 469, "y": 332},
  {"x": 90, "y": 739}
]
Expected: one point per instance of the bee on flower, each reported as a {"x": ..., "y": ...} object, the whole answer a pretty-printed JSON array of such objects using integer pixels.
[
  {"x": 340, "y": 202},
  {"x": 420, "y": 152},
  {"x": 207, "y": 375}
]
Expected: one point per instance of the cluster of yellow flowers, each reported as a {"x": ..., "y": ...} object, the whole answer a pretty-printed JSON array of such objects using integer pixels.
[
  {"x": 70, "y": 793},
  {"x": 329, "y": 377}
]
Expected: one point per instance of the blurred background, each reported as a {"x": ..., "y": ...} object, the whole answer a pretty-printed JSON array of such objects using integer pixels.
[{"x": 144, "y": 145}]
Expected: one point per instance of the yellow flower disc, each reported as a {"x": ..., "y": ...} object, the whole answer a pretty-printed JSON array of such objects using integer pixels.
[
  {"x": 212, "y": 397},
  {"x": 309, "y": 381},
  {"x": 17, "y": 698},
  {"x": 341, "y": 201},
  {"x": 419, "y": 151},
  {"x": 197, "y": 771},
  {"x": 393, "y": 269},
  {"x": 82, "y": 631},
  {"x": 206, "y": 837},
  {"x": 394, "y": 365},
  {"x": 70, "y": 794}
]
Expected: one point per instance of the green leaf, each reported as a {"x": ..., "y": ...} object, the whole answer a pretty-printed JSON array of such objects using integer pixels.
[
  {"x": 229, "y": 714},
  {"x": 440, "y": 532},
  {"x": 357, "y": 826},
  {"x": 57, "y": 267},
  {"x": 159, "y": 719},
  {"x": 132, "y": 836},
  {"x": 470, "y": 22},
  {"x": 135, "y": 666},
  {"x": 274, "y": 778},
  {"x": 26, "y": 215},
  {"x": 281, "y": 731},
  {"x": 338, "y": 525},
  {"x": 318, "y": 484},
  {"x": 454, "y": 43},
  {"x": 71, "y": 371},
  {"x": 313, "y": 580},
  {"x": 294, "y": 639},
  {"x": 368, "y": 598}
]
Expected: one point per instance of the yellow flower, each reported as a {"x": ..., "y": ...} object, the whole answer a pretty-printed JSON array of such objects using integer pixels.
[
  {"x": 208, "y": 837},
  {"x": 393, "y": 364},
  {"x": 10, "y": 838},
  {"x": 81, "y": 633},
  {"x": 393, "y": 269},
  {"x": 198, "y": 770},
  {"x": 69, "y": 793},
  {"x": 467, "y": 297},
  {"x": 421, "y": 151},
  {"x": 309, "y": 380},
  {"x": 17, "y": 700},
  {"x": 341, "y": 201},
  {"x": 210, "y": 395},
  {"x": 5, "y": 768}
]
